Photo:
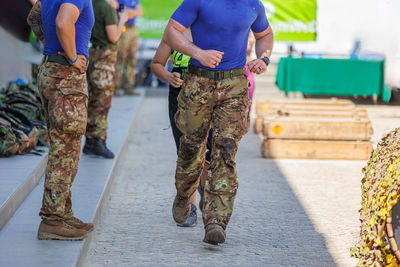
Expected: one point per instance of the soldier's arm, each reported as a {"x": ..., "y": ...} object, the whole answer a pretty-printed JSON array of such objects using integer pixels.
[
  {"x": 66, "y": 18},
  {"x": 158, "y": 66},
  {"x": 134, "y": 12},
  {"x": 174, "y": 37},
  {"x": 114, "y": 31},
  {"x": 35, "y": 20},
  {"x": 264, "y": 45}
]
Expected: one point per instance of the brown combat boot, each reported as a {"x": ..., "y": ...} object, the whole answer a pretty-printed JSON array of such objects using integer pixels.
[
  {"x": 59, "y": 230},
  {"x": 78, "y": 224},
  {"x": 214, "y": 234},
  {"x": 131, "y": 91},
  {"x": 181, "y": 209}
]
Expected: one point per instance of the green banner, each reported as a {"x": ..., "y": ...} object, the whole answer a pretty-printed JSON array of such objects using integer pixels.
[
  {"x": 292, "y": 20},
  {"x": 156, "y": 14}
]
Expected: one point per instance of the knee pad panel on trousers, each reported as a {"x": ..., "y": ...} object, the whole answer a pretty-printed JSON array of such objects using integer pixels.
[{"x": 223, "y": 166}]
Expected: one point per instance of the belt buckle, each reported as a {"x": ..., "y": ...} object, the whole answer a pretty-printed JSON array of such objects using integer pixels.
[{"x": 219, "y": 75}]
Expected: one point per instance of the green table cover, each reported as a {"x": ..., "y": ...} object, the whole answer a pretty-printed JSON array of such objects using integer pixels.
[{"x": 316, "y": 76}]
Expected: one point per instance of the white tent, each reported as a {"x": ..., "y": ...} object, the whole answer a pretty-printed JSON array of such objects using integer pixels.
[{"x": 374, "y": 22}]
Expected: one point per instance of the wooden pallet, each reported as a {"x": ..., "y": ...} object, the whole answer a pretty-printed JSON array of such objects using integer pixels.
[
  {"x": 355, "y": 113},
  {"x": 317, "y": 128},
  {"x": 309, "y": 149},
  {"x": 327, "y": 105}
]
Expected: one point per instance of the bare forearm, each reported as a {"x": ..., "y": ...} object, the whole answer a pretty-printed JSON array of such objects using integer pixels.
[
  {"x": 114, "y": 31},
  {"x": 264, "y": 45},
  {"x": 66, "y": 35},
  {"x": 177, "y": 41},
  {"x": 120, "y": 27},
  {"x": 159, "y": 70}
]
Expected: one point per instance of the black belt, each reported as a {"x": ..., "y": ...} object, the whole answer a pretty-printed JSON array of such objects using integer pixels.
[
  {"x": 56, "y": 59},
  {"x": 216, "y": 75},
  {"x": 60, "y": 60}
]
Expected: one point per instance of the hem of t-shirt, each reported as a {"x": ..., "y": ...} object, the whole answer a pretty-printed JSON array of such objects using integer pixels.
[
  {"x": 215, "y": 69},
  {"x": 75, "y": 3},
  {"x": 180, "y": 22},
  {"x": 110, "y": 24},
  {"x": 261, "y": 30}
]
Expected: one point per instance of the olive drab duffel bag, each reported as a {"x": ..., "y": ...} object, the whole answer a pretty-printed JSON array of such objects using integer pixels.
[
  {"x": 26, "y": 135},
  {"x": 25, "y": 98},
  {"x": 8, "y": 140}
]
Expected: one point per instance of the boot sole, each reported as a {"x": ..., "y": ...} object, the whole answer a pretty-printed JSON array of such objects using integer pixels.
[
  {"x": 88, "y": 229},
  {"x": 96, "y": 154},
  {"x": 214, "y": 237},
  {"x": 186, "y": 225},
  {"x": 49, "y": 236}
]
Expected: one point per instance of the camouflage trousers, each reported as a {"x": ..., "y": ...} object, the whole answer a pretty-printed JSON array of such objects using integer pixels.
[
  {"x": 125, "y": 68},
  {"x": 63, "y": 92},
  {"x": 100, "y": 77},
  {"x": 224, "y": 106}
]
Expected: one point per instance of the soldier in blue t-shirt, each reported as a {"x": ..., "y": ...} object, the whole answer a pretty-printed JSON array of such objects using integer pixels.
[
  {"x": 127, "y": 47},
  {"x": 67, "y": 26},
  {"x": 215, "y": 95}
]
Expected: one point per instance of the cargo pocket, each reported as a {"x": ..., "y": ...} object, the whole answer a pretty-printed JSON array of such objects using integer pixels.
[{"x": 67, "y": 106}]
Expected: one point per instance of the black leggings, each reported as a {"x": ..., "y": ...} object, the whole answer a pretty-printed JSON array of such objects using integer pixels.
[{"x": 172, "y": 108}]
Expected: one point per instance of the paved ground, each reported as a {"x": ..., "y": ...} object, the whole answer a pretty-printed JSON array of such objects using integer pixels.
[
  {"x": 287, "y": 212},
  {"x": 269, "y": 226}
]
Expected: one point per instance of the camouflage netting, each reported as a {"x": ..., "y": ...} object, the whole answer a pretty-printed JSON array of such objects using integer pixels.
[{"x": 380, "y": 192}]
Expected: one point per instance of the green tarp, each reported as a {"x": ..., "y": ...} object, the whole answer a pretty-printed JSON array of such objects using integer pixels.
[
  {"x": 347, "y": 77},
  {"x": 291, "y": 20}
]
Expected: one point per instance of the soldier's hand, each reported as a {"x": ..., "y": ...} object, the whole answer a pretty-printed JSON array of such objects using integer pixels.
[
  {"x": 123, "y": 17},
  {"x": 174, "y": 79},
  {"x": 257, "y": 66},
  {"x": 210, "y": 58},
  {"x": 80, "y": 64}
]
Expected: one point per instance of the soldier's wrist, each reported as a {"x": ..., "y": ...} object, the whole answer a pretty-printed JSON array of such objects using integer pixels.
[
  {"x": 72, "y": 62},
  {"x": 265, "y": 59}
]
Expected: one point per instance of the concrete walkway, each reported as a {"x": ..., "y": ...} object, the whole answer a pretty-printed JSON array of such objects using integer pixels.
[
  {"x": 19, "y": 245},
  {"x": 269, "y": 226},
  {"x": 287, "y": 212}
]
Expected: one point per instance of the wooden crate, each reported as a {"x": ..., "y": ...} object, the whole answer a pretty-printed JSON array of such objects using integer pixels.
[
  {"x": 329, "y": 113},
  {"x": 328, "y": 105},
  {"x": 310, "y": 149},
  {"x": 355, "y": 113},
  {"x": 317, "y": 128}
]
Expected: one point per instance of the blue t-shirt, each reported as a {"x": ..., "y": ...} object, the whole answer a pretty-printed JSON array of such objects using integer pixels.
[
  {"x": 222, "y": 25},
  {"x": 83, "y": 26},
  {"x": 130, "y": 4}
]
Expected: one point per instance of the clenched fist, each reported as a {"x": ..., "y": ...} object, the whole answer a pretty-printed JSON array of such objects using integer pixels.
[{"x": 210, "y": 58}]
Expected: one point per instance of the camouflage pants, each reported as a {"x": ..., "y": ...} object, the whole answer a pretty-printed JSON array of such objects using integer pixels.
[
  {"x": 63, "y": 92},
  {"x": 127, "y": 47},
  {"x": 100, "y": 77},
  {"x": 224, "y": 106}
]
